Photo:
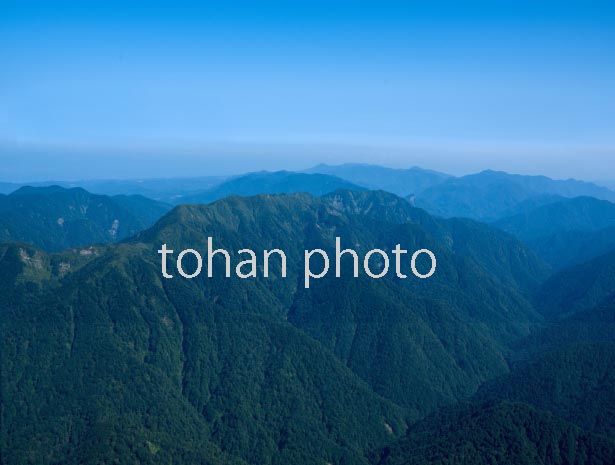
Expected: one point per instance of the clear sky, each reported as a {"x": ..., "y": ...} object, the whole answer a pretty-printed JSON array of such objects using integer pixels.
[{"x": 136, "y": 89}]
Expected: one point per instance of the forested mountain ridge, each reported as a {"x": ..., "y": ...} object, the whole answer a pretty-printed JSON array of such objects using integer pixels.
[
  {"x": 483, "y": 244},
  {"x": 349, "y": 363},
  {"x": 555, "y": 406},
  {"x": 162, "y": 375},
  {"x": 54, "y": 218},
  {"x": 112, "y": 357}
]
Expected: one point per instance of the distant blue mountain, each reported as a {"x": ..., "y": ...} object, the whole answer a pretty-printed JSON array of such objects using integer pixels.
[
  {"x": 485, "y": 196},
  {"x": 266, "y": 182},
  {"x": 491, "y": 195},
  {"x": 566, "y": 232},
  {"x": 576, "y": 214},
  {"x": 567, "y": 248},
  {"x": 578, "y": 288},
  {"x": 164, "y": 189},
  {"x": 402, "y": 182}
]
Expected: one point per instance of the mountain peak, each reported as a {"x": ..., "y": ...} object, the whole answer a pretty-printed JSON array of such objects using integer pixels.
[{"x": 46, "y": 190}]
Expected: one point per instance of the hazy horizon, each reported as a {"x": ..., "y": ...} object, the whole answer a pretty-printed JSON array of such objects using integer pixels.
[
  {"x": 21, "y": 164},
  {"x": 187, "y": 170},
  {"x": 118, "y": 90}
]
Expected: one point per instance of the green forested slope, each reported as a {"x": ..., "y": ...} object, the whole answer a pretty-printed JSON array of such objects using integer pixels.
[
  {"x": 593, "y": 326},
  {"x": 105, "y": 361},
  {"x": 109, "y": 351},
  {"x": 501, "y": 433},
  {"x": 500, "y": 255},
  {"x": 577, "y": 383},
  {"x": 564, "y": 371},
  {"x": 54, "y": 218},
  {"x": 568, "y": 248},
  {"x": 578, "y": 288}
]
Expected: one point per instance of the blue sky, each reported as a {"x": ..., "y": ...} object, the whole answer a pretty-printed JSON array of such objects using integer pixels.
[{"x": 526, "y": 86}]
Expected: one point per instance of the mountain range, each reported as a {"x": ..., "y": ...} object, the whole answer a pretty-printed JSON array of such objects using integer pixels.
[
  {"x": 491, "y": 195},
  {"x": 485, "y": 196},
  {"x": 504, "y": 356},
  {"x": 265, "y": 371},
  {"x": 167, "y": 190}
]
